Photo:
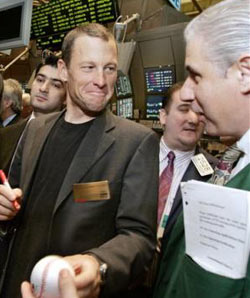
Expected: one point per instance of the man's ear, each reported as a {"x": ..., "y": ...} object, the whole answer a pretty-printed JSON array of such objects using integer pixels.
[
  {"x": 244, "y": 67},
  {"x": 163, "y": 115},
  {"x": 7, "y": 102},
  {"x": 63, "y": 71}
]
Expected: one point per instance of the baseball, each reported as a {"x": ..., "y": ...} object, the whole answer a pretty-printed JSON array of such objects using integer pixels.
[{"x": 45, "y": 276}]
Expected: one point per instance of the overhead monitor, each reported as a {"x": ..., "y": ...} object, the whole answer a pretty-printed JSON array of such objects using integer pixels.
[
  {"x": 125, "y": 107},
  {"x": 51, "y": 21},
  {"x": 123, "y": 86},
  {"x": 159, "y": 79},
  {"x": 15, "y": 23},
  {"x": 153, "y": 105}
]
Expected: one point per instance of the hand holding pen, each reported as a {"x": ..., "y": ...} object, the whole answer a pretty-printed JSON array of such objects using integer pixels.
[{"x": 9, "y": 204}]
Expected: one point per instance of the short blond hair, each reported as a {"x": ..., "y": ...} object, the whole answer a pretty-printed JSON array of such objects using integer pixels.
[{"x": 91, "y": 29}]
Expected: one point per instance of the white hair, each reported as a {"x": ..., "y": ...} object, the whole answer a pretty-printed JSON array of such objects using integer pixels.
[
  {"x": 225, "y": 32},
  {"x": 13, "y": 91}
]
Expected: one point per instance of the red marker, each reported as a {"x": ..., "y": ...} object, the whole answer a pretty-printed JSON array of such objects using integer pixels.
[{"x": 6, "y": 183}]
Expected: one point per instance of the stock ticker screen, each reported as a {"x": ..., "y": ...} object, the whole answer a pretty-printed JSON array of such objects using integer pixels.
[
  {"x": 51, "y": 21},
  {"x": 123, "y": 86},
  {"x": 159, "y": 79},
  {"x": 125, "y": 107},
  {"x": 153, "y": 105}
]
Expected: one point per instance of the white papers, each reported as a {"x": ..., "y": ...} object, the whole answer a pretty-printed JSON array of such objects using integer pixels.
[{"x": 217, "y": 227}]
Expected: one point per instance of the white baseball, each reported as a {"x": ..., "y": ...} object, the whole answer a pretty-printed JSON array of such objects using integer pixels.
[{"x": 45, "y": 276}]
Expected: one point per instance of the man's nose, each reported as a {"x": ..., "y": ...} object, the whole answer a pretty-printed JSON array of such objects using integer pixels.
[
  {"x": 44, "y": 86},
  {"x": 187, "y": 92},
  {"x": 100, "y": 79},
  {"x": 196, "y": 107},
  {"x": 193, "y": 117},
  {"x": 199, "y": 112}
]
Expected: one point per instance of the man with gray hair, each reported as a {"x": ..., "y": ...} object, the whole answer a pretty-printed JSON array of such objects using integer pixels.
[
  {"x": 218, "y": 62},
  {"x": 11, "y": 103}
]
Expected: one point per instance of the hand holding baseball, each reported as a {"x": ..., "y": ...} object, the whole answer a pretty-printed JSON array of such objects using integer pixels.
[
  {"x": 66, "y": 286},
  {"x": 87, "y": 278},
  {"x": 45, "y": 276},
  {"x": 50, "y": 279}
]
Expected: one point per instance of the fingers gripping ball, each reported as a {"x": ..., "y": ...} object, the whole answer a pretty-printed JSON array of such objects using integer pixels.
[{"x": 45, "y": 276}]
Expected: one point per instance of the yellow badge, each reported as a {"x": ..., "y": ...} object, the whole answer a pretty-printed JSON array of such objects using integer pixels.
[{"x": 92, "y": 191}]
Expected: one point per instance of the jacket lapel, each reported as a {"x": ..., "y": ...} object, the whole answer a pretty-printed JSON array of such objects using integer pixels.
[
  {"x": 33, "y": 147},
  {"x": 94, "y": 145}
]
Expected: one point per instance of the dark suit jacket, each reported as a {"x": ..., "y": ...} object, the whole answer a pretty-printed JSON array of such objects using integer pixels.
[
  {"x": 119, "y": 231},
  {"x": 9, "y": 137}
]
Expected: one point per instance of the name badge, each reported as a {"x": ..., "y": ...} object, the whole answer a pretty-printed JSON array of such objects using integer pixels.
[
  {"x": 202, "y": 165},
  {"x": 92, "y": 191}
]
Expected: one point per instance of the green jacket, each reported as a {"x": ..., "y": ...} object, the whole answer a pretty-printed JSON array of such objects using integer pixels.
[{"x": 180, "y": 277}]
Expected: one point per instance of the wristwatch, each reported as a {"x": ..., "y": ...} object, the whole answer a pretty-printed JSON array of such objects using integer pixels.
[
  {"x": 103, "y": 268},
  {"x": 103, "y": 272}
]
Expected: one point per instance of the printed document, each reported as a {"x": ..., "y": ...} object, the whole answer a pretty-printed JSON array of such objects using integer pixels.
[{"x": 217, "y": 227}]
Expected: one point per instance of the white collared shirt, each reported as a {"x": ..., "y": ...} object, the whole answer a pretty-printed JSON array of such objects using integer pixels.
[
  {"x": 8, "y": 120},
  {"x": 181, "y": 163},
  {"x": 32, "y": 116},
  {"x": 244, "y": 145}
]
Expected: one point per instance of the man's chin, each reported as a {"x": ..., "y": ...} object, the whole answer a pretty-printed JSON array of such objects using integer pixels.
[
  {"x": 211, "y": 130},
  {"x": 187, "y": 147},
  {"x": 93, "y": 112},
  {"x": 190, "y": 136},
  {"x": 188, "y": 144}
]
